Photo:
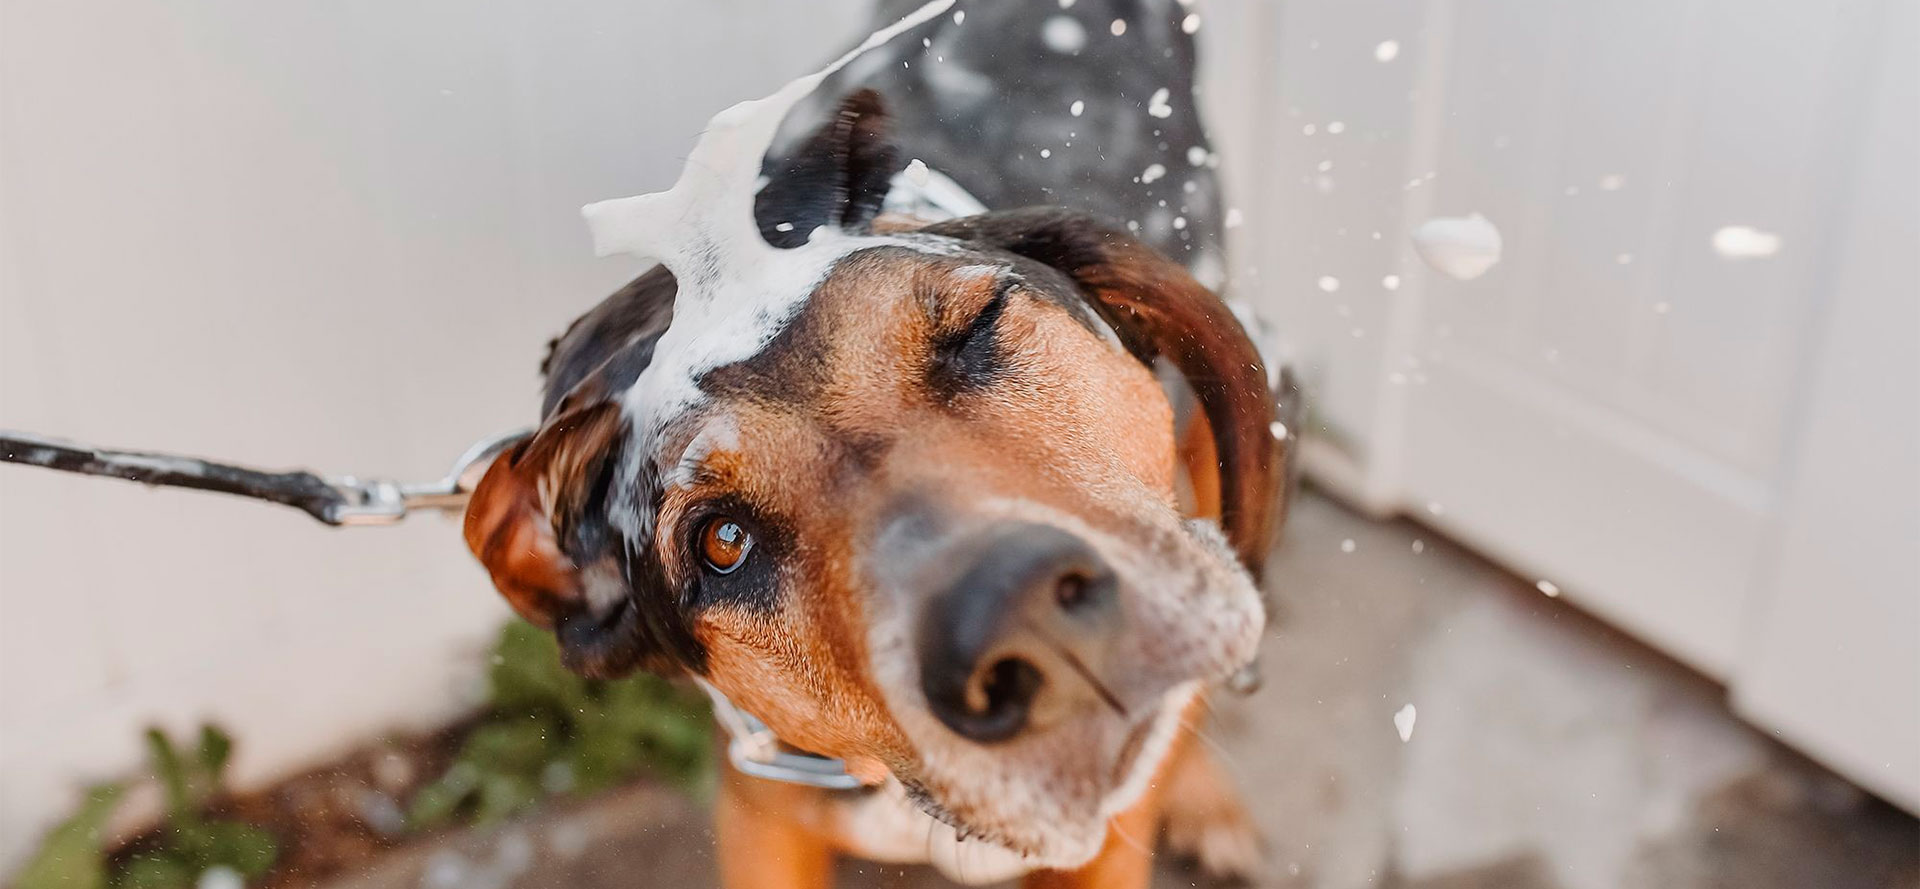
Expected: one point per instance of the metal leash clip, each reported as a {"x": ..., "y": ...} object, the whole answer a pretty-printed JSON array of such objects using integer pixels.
[{"x": 385, "y": 502}]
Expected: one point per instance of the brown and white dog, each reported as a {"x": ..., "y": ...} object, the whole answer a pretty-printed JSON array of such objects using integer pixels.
[{"x": 914, "y": 506}]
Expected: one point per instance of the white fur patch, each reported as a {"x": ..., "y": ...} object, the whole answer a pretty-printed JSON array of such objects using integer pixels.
[{"x": 736, "y": 291}]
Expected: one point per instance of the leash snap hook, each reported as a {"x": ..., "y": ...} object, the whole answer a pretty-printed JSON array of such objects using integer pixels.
[{"x": 386, "y": 502}]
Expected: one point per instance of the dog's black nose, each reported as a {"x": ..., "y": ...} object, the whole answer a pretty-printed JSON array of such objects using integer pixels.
[{"x": 1015, "y": 641}]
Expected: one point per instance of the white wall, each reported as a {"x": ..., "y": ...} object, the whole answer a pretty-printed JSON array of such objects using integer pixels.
[
  {"x": 332, "y": 235},
  {"x": 1719, "y": 455}
]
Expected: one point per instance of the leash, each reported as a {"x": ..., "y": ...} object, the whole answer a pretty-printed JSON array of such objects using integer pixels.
[
  {"x": 752, "y": 747},
  {"x": 333, "y": 500},
  {"x": 348, "y": 501}
]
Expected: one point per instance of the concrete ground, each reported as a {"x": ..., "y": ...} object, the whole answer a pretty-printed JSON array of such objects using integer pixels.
[{"x": 1542, "y": 751}]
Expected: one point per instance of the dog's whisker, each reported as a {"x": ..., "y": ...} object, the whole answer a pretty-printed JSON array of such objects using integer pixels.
[
  {"x": 1099, "y": 688},
  {"x": 1226, "y": 756},
  {"x": 1128, "y": 839}
]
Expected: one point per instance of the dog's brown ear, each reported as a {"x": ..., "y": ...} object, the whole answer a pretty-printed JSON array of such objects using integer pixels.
[
  {"x": 519, "y": 514},
  {"x": 1159, "y": 310},
  {"x": 537, "y": 522},
  {"x": 837, "y": 178}
]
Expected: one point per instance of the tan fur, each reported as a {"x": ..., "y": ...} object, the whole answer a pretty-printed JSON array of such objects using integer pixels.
[{"x": 1082, "y": 433}]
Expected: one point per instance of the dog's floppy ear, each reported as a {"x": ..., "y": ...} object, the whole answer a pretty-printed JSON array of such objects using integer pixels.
[
  {"x": 537, "y": 523},
  {"x": 1161, "y": 311},
  {"x": 838, "y": 178}
]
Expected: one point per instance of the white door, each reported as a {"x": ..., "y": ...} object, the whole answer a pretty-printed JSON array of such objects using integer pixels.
[{"x": 1695, "y": 256}]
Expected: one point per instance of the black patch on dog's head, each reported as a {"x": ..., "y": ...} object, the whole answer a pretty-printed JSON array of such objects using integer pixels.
[{"x": 838, "y": 178}]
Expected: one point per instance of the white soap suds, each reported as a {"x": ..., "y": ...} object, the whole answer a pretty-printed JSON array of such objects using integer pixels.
[
  {"x": 1157, "y": 106},
  {"x": 1064, "y": 34},
  {"x": 1191, "y": 23},
  {"x": 917, "y": 172},
  {"x": 1077, "y": 108},
  {"x": 736, "y": 291},
  {"x": 1403, "y": 722},
  {"x": 1152, "y": 173},
  {"x": 1196, "y": 155},
  {"x": 1461, "y": 247},
  {"x": 1745, "y": 242}
]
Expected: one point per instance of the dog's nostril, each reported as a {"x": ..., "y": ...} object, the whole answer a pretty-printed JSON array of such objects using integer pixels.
[
  {"x": 997, "y": 637},
  {"x": 995, "y": 703},
  {"x": 1070, "y": 591},
  {"x": 1008, "y": 688}
]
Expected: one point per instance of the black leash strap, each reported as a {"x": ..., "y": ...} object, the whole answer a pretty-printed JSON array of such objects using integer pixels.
[{"x": 335, "y": 501}]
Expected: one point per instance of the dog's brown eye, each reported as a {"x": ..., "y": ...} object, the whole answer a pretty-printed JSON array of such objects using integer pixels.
[{"x": 724, "y": 544}]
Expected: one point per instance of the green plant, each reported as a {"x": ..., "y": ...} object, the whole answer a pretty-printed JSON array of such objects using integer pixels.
[
  {"x": 71, "y": 856},
  {"x": 549, "y": 732},
  {"x": 189, "y": 843}
]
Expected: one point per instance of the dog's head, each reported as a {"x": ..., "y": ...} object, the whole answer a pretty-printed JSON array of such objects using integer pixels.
[{"x": 925, "y": 522}]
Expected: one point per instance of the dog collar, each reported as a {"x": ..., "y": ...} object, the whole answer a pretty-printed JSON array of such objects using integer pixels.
[{"x": 755, "y": 750}]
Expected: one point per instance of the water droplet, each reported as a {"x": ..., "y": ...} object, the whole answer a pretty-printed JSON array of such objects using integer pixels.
[
  {"x": 1745, "y": 242},
  {"x": 1403, "y": 720}
]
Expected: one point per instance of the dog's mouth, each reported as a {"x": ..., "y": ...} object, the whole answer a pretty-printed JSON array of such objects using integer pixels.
[
  {"x": 1064, "y": 837},
  {"x": 1120, "y": 630}
]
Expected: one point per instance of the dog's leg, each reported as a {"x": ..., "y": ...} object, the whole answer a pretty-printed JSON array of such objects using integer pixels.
[
  {"x": 763, "y": 840},
  {"x": 1205, "y": 818}
]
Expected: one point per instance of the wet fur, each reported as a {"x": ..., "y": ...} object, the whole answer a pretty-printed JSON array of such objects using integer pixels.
[{"x": 984, "y": 370}]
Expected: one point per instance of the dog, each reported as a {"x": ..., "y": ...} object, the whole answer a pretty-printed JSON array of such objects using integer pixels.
[{"x": 912, "y": 495}]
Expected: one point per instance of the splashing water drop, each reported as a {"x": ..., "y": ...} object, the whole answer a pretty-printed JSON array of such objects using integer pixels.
[
  {"x": 1739, "y": 242},
  {"x": 1462, "y": 248},
  {"x": 1157, "y": 106},
  {"x": 1403, "y": 722},
  {"x": 1063, "y": 34},
  {"x": 1386, "y": 50}
]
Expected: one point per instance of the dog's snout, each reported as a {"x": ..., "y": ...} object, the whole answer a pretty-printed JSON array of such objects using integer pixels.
[{"x": 1014, "y": 641}]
